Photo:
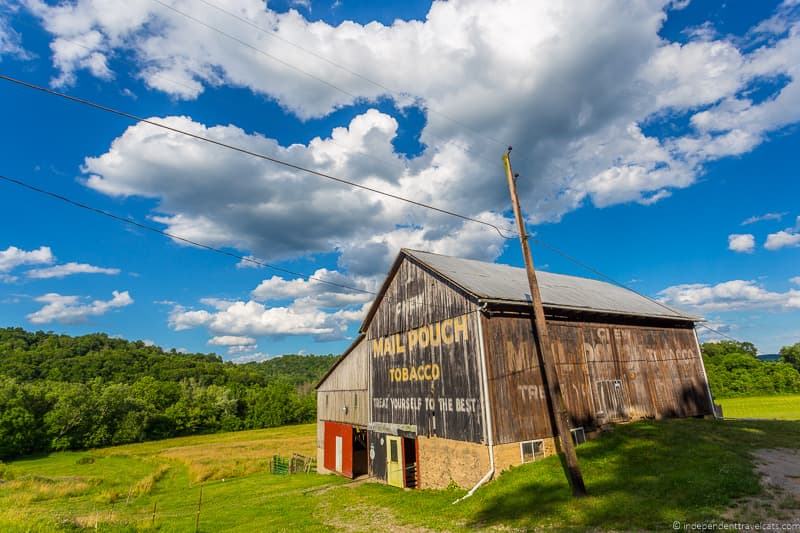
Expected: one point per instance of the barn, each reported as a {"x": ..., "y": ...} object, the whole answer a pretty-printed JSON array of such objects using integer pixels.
[{"x": 445, "y": 384}]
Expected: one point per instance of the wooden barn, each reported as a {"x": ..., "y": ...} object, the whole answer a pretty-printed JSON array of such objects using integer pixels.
[{"x": 445, "y": 384}]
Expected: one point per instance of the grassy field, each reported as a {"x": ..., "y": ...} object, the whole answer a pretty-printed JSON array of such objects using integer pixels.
[
  {"x": 770, "y": 407},
  {"x": 640, "y": 476}
]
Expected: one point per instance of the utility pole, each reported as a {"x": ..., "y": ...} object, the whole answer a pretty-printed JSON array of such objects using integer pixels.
[{"x": 560, "y": 415}]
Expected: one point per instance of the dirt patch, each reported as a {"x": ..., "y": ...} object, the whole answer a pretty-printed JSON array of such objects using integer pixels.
[
  {"x": 363, "y": 518},
  {"x": 780, "y": 503}
]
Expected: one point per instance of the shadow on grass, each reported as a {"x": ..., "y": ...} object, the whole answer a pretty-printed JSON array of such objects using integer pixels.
[{"x": 642, "y": 475}]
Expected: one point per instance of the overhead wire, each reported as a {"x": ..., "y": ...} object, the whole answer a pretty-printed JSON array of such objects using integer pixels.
[
  {"x": 393, "y": 92},
  {"x": 285, "y": 63},
  {"x": 287, "y": 164},
  {"x": 174, "y": 236},
  {"x": 615, "y": 282},
  {"x": 137, "y": 118},
  {"x": 272, "y": 266}
]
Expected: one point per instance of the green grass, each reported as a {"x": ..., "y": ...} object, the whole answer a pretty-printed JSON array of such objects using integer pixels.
[
  {"x": 785, "y": 407},
  {"x": 640, "y": 476}
]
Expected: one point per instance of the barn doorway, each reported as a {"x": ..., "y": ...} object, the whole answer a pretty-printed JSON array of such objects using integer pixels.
[
  {"x": 360, "y": 452},
  {"x": 611, "y": 400},
  {"x": 401, "y": 462},
  {"x": 410, "y": 463},
  {"x": 394, "y": 461}
]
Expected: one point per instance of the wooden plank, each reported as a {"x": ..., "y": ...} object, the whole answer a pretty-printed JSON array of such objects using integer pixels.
[
  {"x": 653, "y": 371},
  {"x": 424, "y": 357}
]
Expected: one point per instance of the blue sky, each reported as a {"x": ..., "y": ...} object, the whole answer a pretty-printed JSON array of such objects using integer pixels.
[{"x": 645, "y": 136}]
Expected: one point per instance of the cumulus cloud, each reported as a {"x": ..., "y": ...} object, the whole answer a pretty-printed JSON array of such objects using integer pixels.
[
  {"x": 13, "y": 257},
  {"x": 69, "y": 269},
  {"x": 69, "y": 309},
  {"x": 251, "y": 358},
  {"x": 324, "y": 288},
  {"x": 787, "y": 238},
  {"x": 231, "y": 340},
  {"x": 312, "y": 308},
  {"x": 729, "y": 296},
  {"x": 782, "y": 239},
  {"x": 742, "y": 243},
  {"x": 575, "y": 114},
  {"x": 795, "y": 280},
  {"x": 254, "y": 318},
  {"x": 198, "y": 202},
  {"x": 575, "y": 117}
]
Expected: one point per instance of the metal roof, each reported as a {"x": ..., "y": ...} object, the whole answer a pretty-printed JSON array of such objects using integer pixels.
[{"x": 492, "y": 281}]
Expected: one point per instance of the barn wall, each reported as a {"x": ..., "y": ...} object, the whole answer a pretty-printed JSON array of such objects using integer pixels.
[
  {"x": 608, "y": 373},
  {"x": 423, "y": 345},
  {"x": 343, "y": 396},
  {"x": 445, "y": 461}
]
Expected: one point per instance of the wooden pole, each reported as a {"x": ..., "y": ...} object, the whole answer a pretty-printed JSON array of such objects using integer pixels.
[{"x": 560, "y": 415}]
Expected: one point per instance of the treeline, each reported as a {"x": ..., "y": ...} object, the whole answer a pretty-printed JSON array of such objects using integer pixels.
[
  {"x": 734, "y": 370},
  {"x": 59, "y": 392}
]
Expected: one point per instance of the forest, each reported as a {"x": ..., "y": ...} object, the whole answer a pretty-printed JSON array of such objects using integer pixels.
[
  {"x": 59, "y": 392},
  {"x": 734, "y": 370}
]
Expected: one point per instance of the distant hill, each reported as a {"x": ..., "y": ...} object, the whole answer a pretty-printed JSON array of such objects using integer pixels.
[
  {"x": 59, "y": 392},
  {"x": 32, "y": 356}
]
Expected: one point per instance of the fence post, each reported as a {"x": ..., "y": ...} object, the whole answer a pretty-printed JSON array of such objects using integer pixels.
[
  {"x": 154, "y": 512},
  {"x": 199, "y": 504}
]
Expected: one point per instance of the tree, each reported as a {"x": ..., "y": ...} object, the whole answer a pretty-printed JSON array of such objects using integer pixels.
[
  {"x": 715, "y": 349},
  {"x": 791, "y": 355}
]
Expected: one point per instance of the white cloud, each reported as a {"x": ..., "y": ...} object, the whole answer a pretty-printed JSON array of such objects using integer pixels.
[
  {"x": 761, "y": 218},
  {"x": 795, "y": 280},
  {"x": 574, "y": 112},
  {"x": 787, "y": 238},
  {"x": 782, "y": 239},
  {"x": 254, "y": 318},
  {"x": 10, "y": 39},
  {"x": 678, "y": 5},
  {"x": 716, "y": 331},
  {"x": 325, "y": 288},
  {"x": 251, "y": 358},
  {"x": 742, "y": 243},
  {"x": 13, "y": 257},
  {"x": 70, "y": 310},
  {"x": 249, "y": 261},
  {"x": 231, "y": 340},
  {"x": 69, "y": 269},
  {"x": 729, "y": 296},
  {"x": 314, "y": 309}
]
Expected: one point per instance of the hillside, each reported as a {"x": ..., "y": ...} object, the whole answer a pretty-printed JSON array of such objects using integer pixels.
[
  {"x": 640, "y": 476},
  {"x": 64, "y": 393},
  {"x": 30, "y": 356}
]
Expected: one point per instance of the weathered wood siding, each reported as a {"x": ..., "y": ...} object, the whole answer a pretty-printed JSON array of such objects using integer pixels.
[
  {"x": 344, "y": 395},
  {"x": 608, "y": 373},
  {"x": 425, "y": 366}
]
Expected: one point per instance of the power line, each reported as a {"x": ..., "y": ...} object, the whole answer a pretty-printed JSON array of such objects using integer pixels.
[
  {"x": 92, "y": 104},
  {"x": 287, "y": 64},
  {"x": 255, "y": 261},
  {"x": 615, "y": 282},
  {"x": 174, "y": 236},
  {"x": 131, "y": 116}
]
